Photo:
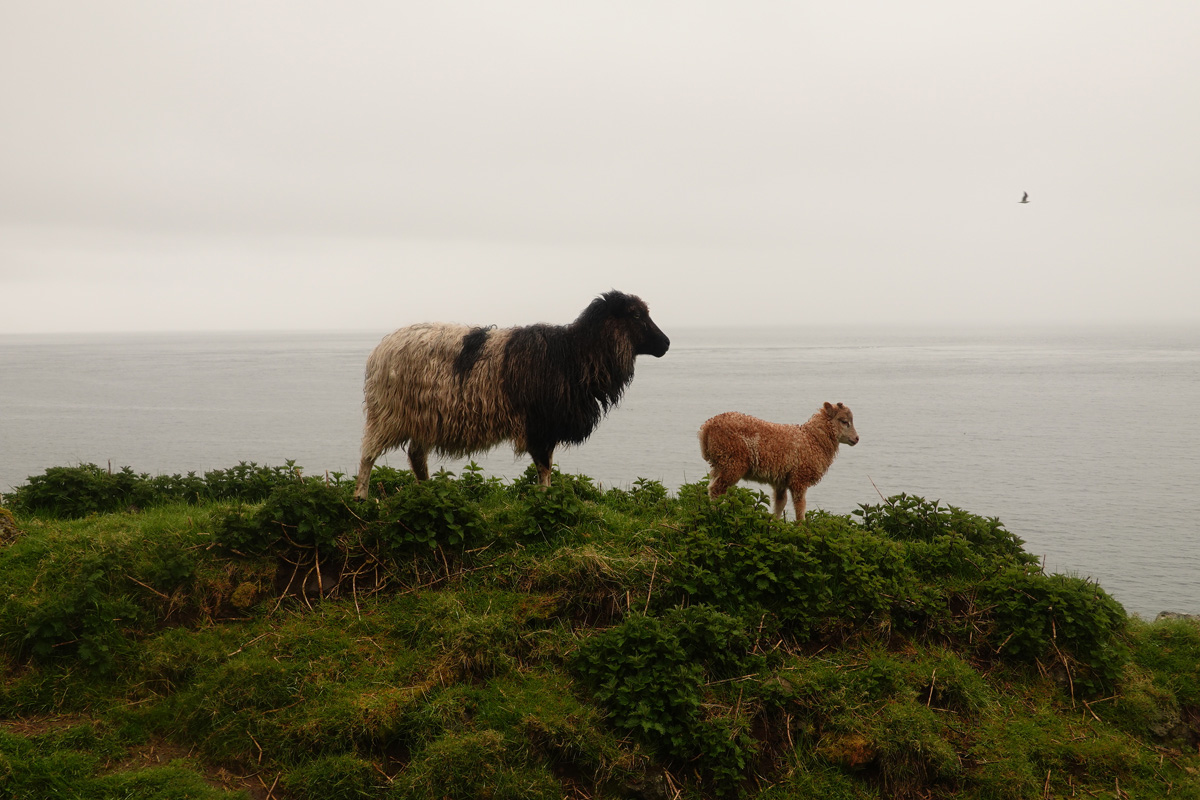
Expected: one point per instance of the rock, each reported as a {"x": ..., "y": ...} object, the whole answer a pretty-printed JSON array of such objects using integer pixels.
[{"x": 1174, "y": 615}]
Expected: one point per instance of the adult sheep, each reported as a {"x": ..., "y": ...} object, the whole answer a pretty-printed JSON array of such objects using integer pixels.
[
  {"x": 794, "y": 457},
  {"x": 458, "y": 390}
]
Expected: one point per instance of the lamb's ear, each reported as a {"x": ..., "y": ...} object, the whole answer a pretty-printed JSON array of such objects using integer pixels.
[
  {"x": 840, "y": 405},
  {"x": 830, "y": 410}
]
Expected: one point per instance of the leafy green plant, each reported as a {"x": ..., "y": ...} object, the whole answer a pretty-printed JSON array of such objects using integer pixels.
[
  {"x": 427, "y": 515},
  {"x": 650, "y": 674},
  {"x": 737, "y": 558},
  {"x": 238, "y": 530},
  {"x": 550, "y": 511},
  {"x": 962, "y": 541},
  {"x": 386, "y": 481},
  {"x": 644, "y": 496},
  {"x": 1059, "y": 619},
  {"x": 248, "y": 482},
  {"x": 307, "y": 513},
  {"x": 84, "y": 618},
  {"x": 581, "y": 486},
  {"x": 73, "y": 492},
  {"x": 476, "y": 487}
]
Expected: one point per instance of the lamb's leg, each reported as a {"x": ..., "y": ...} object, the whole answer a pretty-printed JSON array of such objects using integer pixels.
[
  {"x": 780, "y": 500},
  {"x": 798, "y": 500},
  {"x": 418, "y": 459}
]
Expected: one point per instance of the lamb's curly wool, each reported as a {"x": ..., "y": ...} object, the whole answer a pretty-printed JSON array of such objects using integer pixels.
[
  {"x": 794, "y": 457},
  {"x": 458, "y": 390}
]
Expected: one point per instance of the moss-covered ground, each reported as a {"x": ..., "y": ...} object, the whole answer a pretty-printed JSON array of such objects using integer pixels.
[{"x": 252, "y": 633}]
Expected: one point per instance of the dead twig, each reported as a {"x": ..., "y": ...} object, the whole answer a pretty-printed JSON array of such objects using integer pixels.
[
  {"x": 650, "y": 591},
  {"x": 247, "y": 644},
  {"x": 881, "y": 497},
  {"x": 151, "y": 588}
]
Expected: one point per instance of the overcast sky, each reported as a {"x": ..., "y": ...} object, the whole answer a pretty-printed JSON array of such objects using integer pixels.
[{"x": 171, "y": 165}]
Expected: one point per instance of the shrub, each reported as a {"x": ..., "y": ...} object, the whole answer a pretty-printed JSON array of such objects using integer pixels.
[
  {"x": 737, "y": 557},
  {"x": 551, "y": 511},
  {"x": 427, "y": 515},
  {"x": 476, "y": 487},
  {"x": 84, "y": 617},
  {"x": 580, "y": 486},
  {"x": 238, "y": 530},
  {"x": 306, "y": 513},
  {"x": 386, "y": 481},
  {"x": 73, "y": 492},
  {"x": 248, "y": 482},
  {"x": 961, "y": 540},
  {"x": 645, "y": 496},
  {"x": 1051, "y": 617},
  {"x": 651, "y": 673}
]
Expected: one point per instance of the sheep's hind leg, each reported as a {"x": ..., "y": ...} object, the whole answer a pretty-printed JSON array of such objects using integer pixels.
[{"x": 418, "y": 459}]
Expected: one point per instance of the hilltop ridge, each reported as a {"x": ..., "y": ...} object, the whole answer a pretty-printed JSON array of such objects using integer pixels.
[{"x": 255, "y": 631}]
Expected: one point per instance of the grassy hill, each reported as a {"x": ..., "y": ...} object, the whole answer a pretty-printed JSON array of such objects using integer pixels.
[{"x": 254, "y": 633}]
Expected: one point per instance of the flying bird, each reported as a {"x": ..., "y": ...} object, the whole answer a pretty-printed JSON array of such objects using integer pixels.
[{"x": 1024, "y": 199}]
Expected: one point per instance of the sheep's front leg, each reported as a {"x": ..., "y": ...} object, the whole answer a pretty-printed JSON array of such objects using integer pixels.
[
  {"x": 418, "y": 459},
  {"x": 798, "y": 500},
  {"x": 543, "y": 458},
  {"x": 780, "y": 500},
  {"x": 362, "y": 485}
]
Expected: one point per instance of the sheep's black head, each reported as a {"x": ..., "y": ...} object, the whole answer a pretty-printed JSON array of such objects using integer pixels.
[{"x": 634, "y": 316}]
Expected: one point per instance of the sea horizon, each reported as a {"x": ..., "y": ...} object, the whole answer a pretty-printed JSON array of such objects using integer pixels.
[{"x": 1082, "y": 440}]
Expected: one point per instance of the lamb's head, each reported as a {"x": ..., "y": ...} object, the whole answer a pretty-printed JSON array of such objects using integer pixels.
[{"x": 842, "y": 417}]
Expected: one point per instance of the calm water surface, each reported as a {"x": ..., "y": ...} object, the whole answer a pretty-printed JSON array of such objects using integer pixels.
[{"x": 1085, "y": 443}]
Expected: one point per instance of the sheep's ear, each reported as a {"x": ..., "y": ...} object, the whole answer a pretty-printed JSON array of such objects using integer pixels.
[
  {"x": 618, "y": 304},
  {"x": 830, "y": 410}
]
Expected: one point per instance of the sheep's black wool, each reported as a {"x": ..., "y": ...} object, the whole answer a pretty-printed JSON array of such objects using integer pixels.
[{"x": 459, "y": 390}]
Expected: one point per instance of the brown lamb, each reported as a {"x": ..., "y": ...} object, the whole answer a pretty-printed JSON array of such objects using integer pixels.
[{"x": 795, "y": 457}]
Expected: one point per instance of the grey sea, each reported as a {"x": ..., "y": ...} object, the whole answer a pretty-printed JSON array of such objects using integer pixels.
[{"x": 1085, "y": 443}]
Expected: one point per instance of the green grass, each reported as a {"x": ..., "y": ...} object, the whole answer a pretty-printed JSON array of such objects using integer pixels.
[{"x": 472, "y": 638}]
